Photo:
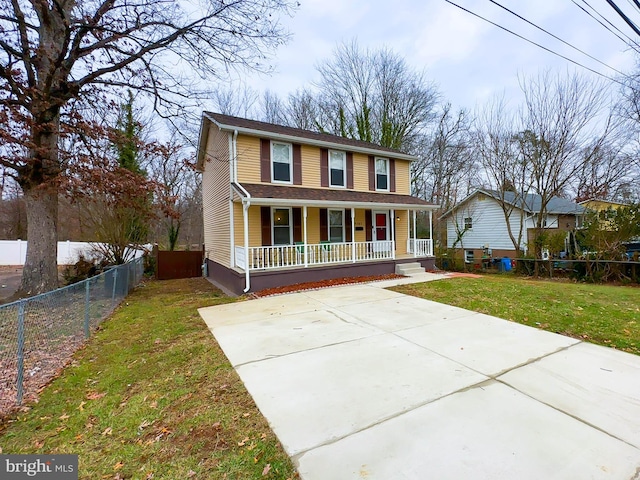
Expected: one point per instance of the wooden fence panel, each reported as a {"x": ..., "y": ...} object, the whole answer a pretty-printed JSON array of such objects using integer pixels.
[{"x": 178, "y": 264}]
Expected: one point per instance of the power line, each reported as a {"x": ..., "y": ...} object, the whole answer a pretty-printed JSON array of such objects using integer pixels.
[
  {"x": 624, "y": 16},
  {"x": 556, "y": 37},
  {"x": 626, "y": 42},
  {"x": 534, "y": 43}
]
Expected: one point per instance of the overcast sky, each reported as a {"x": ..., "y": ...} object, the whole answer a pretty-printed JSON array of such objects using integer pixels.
[{"x": 469, "y": 59}]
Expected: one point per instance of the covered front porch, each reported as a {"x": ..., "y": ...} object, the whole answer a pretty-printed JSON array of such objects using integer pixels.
[
  {"x": 305, "y": 255},
  {"x": 279, "y": 228}
]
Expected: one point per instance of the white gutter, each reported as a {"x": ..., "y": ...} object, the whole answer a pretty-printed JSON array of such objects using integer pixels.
[{"x": 315, "y": 203}]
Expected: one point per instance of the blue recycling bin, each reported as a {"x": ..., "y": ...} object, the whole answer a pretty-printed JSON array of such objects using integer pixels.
[{"x": 506, "y": 265}]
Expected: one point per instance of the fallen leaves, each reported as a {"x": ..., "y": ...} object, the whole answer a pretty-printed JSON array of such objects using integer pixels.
[
  {"x": 107, "y": 431},
  {"x": 266, "y": 469},
  {"x": 95, "y": 396}
]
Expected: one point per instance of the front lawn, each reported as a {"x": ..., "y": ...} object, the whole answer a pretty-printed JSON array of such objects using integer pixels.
[
  {"x": 153, "y": 396},
  {"x": 602, "y": 314}
]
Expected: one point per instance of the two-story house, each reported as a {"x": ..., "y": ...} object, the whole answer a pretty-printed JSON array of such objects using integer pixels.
[{"x": 284, "y": 205}]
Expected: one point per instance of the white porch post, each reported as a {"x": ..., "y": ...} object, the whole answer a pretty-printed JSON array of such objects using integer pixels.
[
  {"x": 393, "y": 234},
  {"x": 415, "y": 249},
  {"x": 431, "y": 231},
  {"x": 304, "y": 232},
  {"x": 353, "y": 235},
  {"x": 247, "y": 260}
]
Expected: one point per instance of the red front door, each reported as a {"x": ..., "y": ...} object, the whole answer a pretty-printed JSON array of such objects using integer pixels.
[{"x": 381, "y": 229}]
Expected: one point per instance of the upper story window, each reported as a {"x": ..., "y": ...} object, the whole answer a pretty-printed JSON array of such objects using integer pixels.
[
  {"x": 382, "y": 174},
  {"x": 468, "y": 223},
  {"x": 337, "y": 168},
  {"x": 281, "y": 162}
]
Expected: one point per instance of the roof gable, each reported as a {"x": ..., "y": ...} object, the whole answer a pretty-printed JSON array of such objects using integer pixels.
[{"x": 530, "y": 203}]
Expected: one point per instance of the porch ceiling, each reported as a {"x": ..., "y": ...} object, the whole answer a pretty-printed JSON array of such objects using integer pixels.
[{"x": 264, "y": 194}]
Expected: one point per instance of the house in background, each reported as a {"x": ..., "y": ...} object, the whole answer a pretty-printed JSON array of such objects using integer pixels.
[
  {"x": 283, "y": 205},
  {"x": 477, "y": 224},
  {"x": 599, "y": 205}
]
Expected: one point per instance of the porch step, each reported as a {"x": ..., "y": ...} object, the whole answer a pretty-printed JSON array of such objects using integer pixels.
[{"x": 408, "y": 269}]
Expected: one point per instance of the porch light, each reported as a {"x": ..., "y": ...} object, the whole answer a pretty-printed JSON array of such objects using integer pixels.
[{"x": 398, "y": 218}]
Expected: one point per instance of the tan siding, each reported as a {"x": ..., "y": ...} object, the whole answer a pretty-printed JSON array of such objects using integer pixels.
[
  {"x": 248, "y": 152},
  {"x": 249, "y": 166},
  {"x": 310, "y": 166},
  {"x": 361, "y": 172},
  {"x": 361, "y": 236},
  {"x": 402, "y": 177},
  {"x": 401, "y": 231},
  {"x": 216, "y": 190},
  {"x": 255, "y": 225},
  {"x": 313, "y": 225}
]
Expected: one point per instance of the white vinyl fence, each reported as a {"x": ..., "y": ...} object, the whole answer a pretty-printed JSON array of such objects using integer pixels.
[{"x": 13, "y": 252}]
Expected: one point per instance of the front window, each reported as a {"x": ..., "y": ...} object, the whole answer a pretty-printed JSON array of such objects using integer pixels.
[
  {"x": 281, "y": 162},
  {"x": 336, "y": 226},
  {"x": 337, "y": 168},
  {"x": 468, "y": 256},
  {"x": 382, "y": 174},
  {"x": 282, "y": 226},
  {"x": 468, "y": 223}
]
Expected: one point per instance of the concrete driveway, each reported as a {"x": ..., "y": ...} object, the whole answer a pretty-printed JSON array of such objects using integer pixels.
[{"x": 361, "y": 382}]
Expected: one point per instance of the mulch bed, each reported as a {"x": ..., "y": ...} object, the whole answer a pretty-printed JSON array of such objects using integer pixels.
[{"x": 322, "y": 284}]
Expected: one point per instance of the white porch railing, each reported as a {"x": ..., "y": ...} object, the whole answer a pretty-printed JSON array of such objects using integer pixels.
[
  {"x": 279, "y": 256},
  {"x": 423, "y": 247}
]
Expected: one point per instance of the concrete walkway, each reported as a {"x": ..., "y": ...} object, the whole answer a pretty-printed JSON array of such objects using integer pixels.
[{"x": 361, "y": 382}]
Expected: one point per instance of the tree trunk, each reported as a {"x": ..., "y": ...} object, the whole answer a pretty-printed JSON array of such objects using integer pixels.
[{"x": 40, "y": 273}]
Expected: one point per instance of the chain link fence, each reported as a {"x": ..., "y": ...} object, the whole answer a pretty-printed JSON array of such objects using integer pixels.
[{"x": 38, "y": 335}]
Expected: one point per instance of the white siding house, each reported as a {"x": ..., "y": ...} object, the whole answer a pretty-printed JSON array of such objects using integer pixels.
[
  {"x": 488, "y": 225},
  {"x": 478, "y": 222}
]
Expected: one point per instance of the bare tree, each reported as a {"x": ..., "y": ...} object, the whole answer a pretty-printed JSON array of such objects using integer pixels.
[
  {"x": 177, "y": 190},
  {"x": 504, "y": 167},
  {"x": 374, "y": 97},
  {"x": 239, "y": 102},
  {"x": 559, "y": 120},
  {"x": 447, "y": 165},
  {"x": 54, "y": 55}
]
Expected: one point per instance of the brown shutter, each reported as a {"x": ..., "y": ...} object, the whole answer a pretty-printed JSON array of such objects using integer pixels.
[
  {"x": 297, "y": 224},
  {"x": 265, "y": 160},
  {"x": 392, "y": 175},
  {"x": 324, "y": 167},
  {"x": 368, "y": 221},
  {"x": 265, "y": 220},
  {"x": 297, "y": 164},
  {"x": 347, "y": 225},
  {"x": 349, "y": 170},
  {"x": 324, "y": 225},
  {"x": 372, "y": 173}
]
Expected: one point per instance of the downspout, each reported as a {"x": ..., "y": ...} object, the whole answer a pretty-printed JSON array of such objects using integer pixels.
[
  {"x": 233, "y": 178},
  {"x": 235, "y": 156},
  {"x": 246, "y": 203}
]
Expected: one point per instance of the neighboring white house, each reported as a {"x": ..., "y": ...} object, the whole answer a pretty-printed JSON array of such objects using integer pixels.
[{"x": 477, "y": 224}]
